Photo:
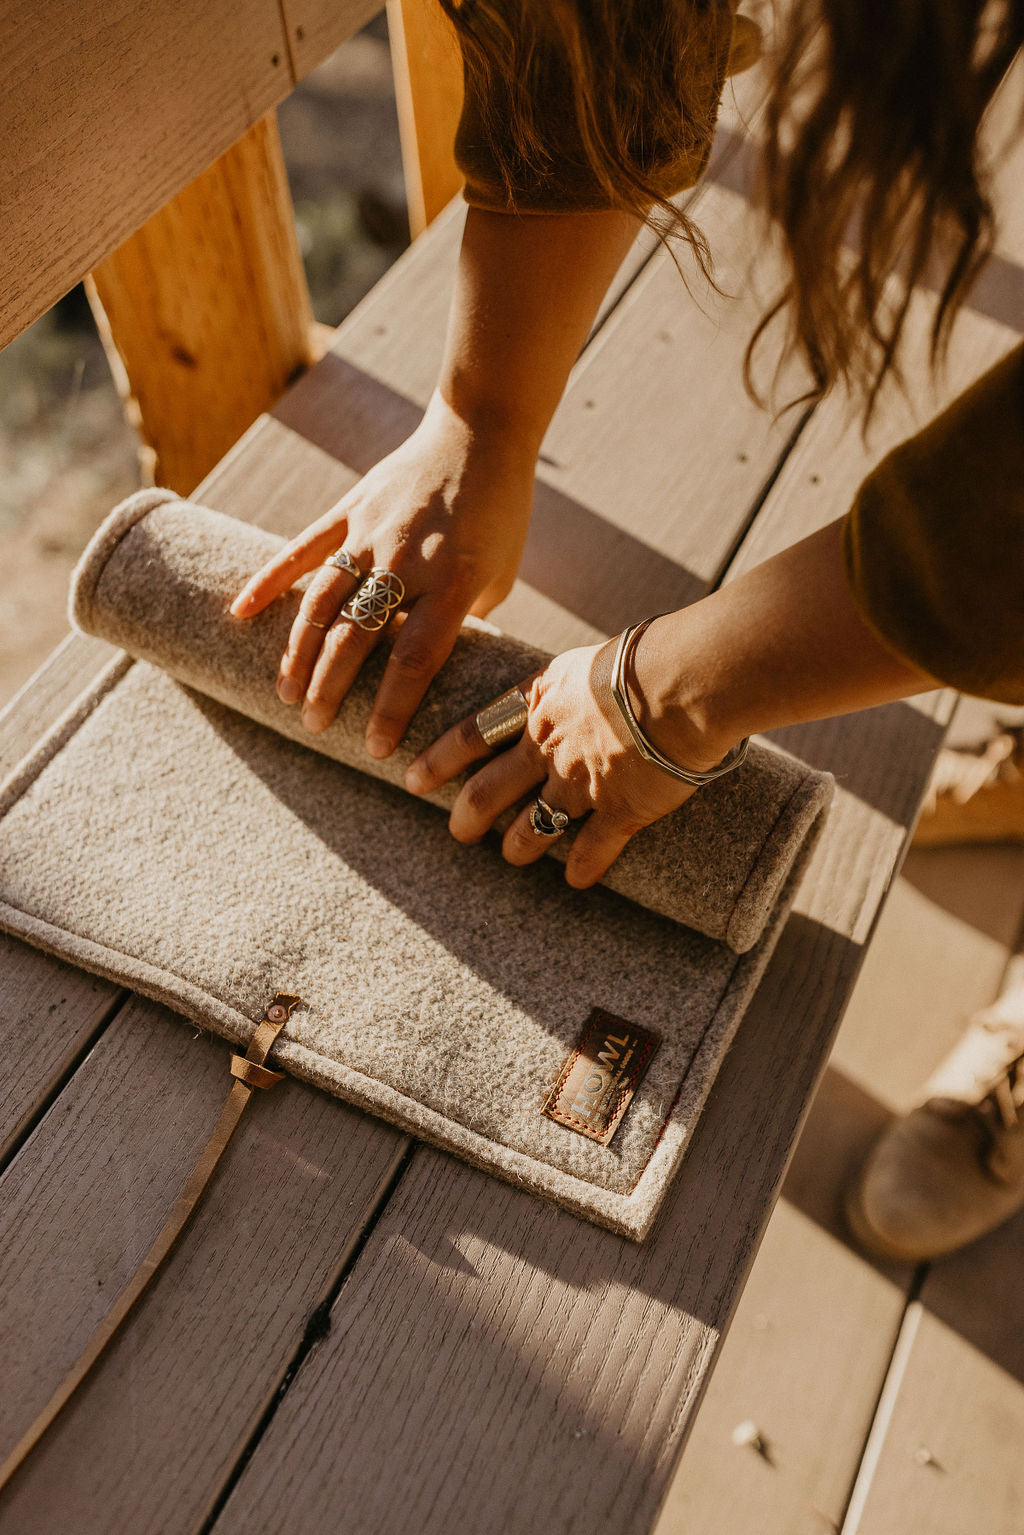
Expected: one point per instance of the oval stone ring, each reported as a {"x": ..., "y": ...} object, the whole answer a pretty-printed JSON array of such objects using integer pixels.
[{"x": 545, "y": 820}]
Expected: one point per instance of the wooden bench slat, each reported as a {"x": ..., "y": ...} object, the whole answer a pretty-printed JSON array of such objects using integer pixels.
[
  {"x": 49, "y": 1014},
  {"x": 285, "y": 471},
  {"x": 810, "y": 1346},
  {"x": 106, "y": 113},
  {"x": 153, "y": 1433},
  {"x": 522, "y": 1370},
  {"x": 497, "y": 1363}
]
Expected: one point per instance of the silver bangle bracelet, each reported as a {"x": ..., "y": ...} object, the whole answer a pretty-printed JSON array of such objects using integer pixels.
[{"x": 646, "y": 747}]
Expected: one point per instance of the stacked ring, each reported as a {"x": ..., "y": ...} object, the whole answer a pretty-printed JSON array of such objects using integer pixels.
[
  {"x": 372, "y": 604},
  {"x": 343, "y": 561},
  {"x": 545, "y": 820}
]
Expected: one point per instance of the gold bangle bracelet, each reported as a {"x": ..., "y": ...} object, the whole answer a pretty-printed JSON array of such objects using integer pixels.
[{"x": 644, "y": 745}]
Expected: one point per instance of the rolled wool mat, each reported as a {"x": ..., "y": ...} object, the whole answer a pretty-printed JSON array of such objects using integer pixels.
[
  {"x": 161, "y": 835},
  {"x": 158, "y": 576}
]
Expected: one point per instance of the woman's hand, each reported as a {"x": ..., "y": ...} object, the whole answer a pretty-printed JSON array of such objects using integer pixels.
[
  {"x": 575, "y": 753},
  {"x": 447, "y": 512}
]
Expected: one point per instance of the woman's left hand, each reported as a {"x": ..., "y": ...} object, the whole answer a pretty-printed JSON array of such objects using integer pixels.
[{"x": 575, "y": 753}]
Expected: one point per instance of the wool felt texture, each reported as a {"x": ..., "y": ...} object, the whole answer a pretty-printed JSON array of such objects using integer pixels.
[
  {"x": 157, "y": 580},
  {"x": 161, "y": 836}
]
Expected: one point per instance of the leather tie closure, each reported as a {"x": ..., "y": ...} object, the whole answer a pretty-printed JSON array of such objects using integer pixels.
[{"x": 250, "y": 1073}]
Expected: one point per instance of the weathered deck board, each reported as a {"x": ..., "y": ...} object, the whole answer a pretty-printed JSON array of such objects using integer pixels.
[
  {"x": 811, "y": 1342},
  {"x": 522, "y": 1370},
  {"x": 150, "y": 1438},
  {"x": 49, "y": 1014},
  {"x": 261, "y": 479},
  {"x": 809, "y": 1349}
]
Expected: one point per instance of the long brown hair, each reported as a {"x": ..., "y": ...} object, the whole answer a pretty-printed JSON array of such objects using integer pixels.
[
  {"x": 872, "y": 168},
  {"x": 871, "y": 165}
]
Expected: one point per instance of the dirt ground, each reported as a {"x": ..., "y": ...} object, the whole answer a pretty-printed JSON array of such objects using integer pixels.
[{"x": 66, "y": 454}]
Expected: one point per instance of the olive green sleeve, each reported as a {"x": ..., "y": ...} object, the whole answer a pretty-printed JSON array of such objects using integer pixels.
[
  {"x": 671, "y": 148},
  {"x": 934, "y": 542}
]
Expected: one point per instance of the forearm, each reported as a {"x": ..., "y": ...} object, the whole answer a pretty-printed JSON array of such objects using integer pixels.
[
  {"x": 781, "y": 644},
  {"x": 527, "y": 292}
]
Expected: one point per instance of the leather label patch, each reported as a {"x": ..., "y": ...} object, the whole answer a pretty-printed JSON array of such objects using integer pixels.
[{"x": 597, "y": 1082}]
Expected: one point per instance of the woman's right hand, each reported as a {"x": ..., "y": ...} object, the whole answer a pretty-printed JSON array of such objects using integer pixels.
[{"x": 448, "y": 513}]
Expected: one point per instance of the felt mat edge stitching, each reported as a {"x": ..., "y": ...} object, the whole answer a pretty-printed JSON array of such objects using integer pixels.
[{"x": 635, "y": 1210}]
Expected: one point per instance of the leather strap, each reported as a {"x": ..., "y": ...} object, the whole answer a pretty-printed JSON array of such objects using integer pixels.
[{"x": 250, "y": 1073}]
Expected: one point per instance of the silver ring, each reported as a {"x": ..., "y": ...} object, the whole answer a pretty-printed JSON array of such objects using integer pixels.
[
  {"x": 343, "y": 561},
  {"x": 372, "y": 604},
  {"x": 545, "y": 820},
  {"x": 503, "y": 718}
]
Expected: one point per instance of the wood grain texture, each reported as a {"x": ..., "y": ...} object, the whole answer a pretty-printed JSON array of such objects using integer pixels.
[
  {"x": 49, "y": 1014},
  {"x": 427, "y": 66},
  {"x": 106, "y": 113},
  {"x": 316, "y": 27},
  {"x": 810, "y": 1345},
  {"x": 205, "y": 311},
  {"x": 152, "y": 1434},
  {"x": 531, "y": 1372},
  {"x": 945, "y": 1456}
]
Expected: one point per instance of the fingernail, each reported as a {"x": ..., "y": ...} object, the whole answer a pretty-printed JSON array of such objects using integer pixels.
[
  {"x": 415, "y": 779},
  {"x": 313, "y": 721},
  {"x": 288, "y": 690},
  {"x": 378, "y": 745}
]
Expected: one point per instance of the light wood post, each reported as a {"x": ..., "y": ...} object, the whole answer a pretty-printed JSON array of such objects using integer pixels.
[
  {"x": 205, "y": 311},
  {"x": 428, "y": 88}
]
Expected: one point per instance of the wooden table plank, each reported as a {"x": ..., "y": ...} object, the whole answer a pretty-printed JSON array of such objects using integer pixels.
[
  {"x": 151, "y": 1437},
  {"x": 496, "y": 1363},
  {"x": 107, "y": 112},
  {"x": 50, "y": 1015},
  {"x": 301, "y": 448},
  {"x": 518, "y": 1369},
  {"x": 813, "y": 1335}
]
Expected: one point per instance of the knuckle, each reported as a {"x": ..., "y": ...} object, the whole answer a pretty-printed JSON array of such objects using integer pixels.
[
  {"x": 319, "y": 605},
  {"x": 477, "y": 796},
  {"x": 415, "y": 663}
]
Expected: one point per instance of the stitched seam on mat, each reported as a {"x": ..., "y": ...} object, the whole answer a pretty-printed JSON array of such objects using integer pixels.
[
  {"x": 801, "y": 786},
  {"x": 156, "y": 975},
  {"x": 24, "y": 774},
  {"x": 667, "y": 1120},
  {"x": 39, "y": 758}
]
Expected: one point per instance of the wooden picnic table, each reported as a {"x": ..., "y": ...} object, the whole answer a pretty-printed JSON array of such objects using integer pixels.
[{"x": 358, "y": 1332}]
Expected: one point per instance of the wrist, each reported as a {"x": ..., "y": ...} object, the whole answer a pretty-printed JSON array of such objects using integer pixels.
[
  {"x": 675, "y": 701},
  {"x": 492, "y": 425}
]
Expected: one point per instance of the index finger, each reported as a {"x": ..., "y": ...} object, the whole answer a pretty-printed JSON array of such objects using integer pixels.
[{"x": 302, "y": 554}]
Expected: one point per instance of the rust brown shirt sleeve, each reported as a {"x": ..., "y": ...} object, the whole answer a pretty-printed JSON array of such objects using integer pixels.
[
  {"x": 935, "y": 541},
  {"x": 671, "y": 150}
]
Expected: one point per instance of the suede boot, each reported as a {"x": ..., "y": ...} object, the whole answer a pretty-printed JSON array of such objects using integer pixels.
[{"x": 953, "y": 1168}]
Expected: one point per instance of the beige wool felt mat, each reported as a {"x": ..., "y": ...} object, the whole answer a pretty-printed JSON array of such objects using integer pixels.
[{"x": 164, "y": 836}]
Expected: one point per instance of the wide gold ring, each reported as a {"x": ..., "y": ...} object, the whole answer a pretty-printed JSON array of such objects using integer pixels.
[
  {"x": 372, "y": 604},
  {"x": 504, "y": 718}
]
